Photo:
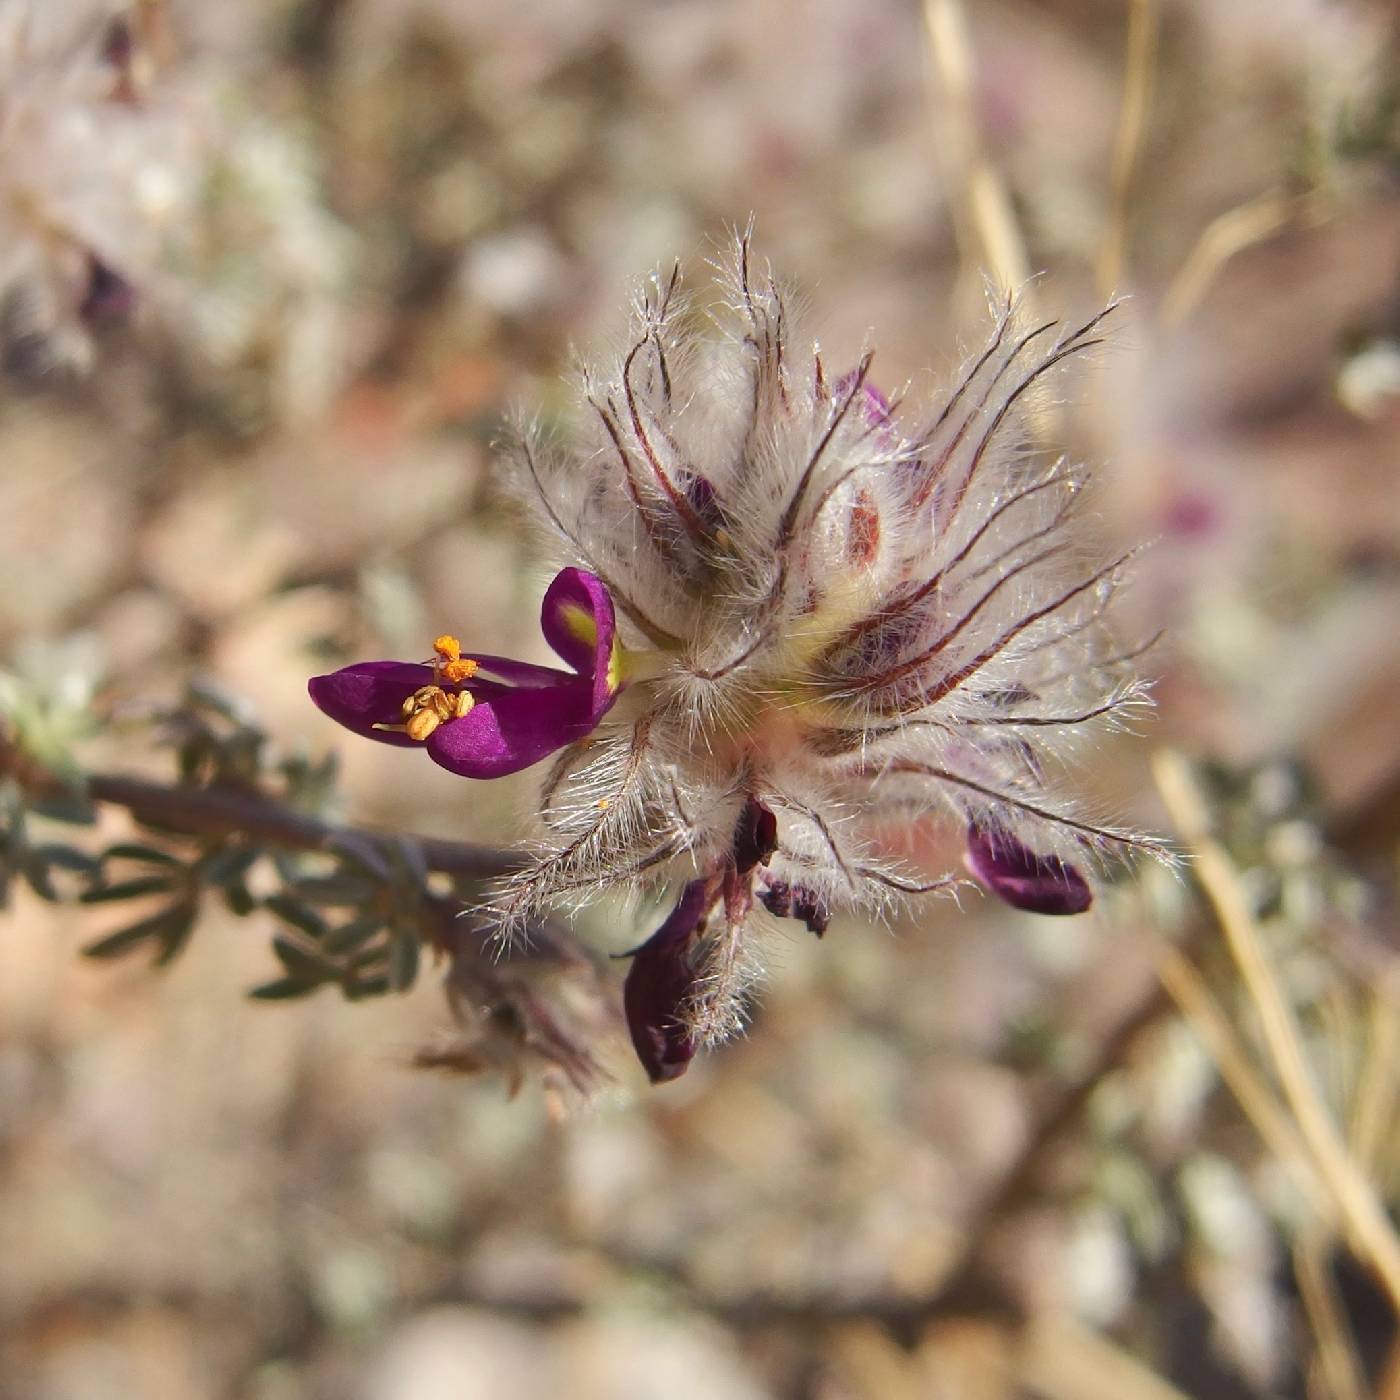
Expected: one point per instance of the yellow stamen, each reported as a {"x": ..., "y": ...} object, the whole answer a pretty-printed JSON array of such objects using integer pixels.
[
  {"x": 458, "y": 670},
  {"x": 448, "y": 647},
  {"x": 430, "y": 706},
  {"x": 421, "y": 723}
]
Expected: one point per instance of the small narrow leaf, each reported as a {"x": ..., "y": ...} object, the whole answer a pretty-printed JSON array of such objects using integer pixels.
[
  {"x": 158, "y": 926},
  {"x": 302, "y": 962},
  {"x": 36, "y": 876},
  {"x": 403, "y": 962},
  {"x": 227, "y": 864},
  {"x": 297, "y": 915},
  {"x": 176, "y": 933},
  {"x": 128, "y": 889},
  {"x": 68, "y": 858},
  {"x": 149, "y": 855},
  {"x": 369, "y": 987},
  {"x": 70, "y": 805},
  {"x": 355, "y": 934},
  {"x": 282, "y": 989},
  {"x": 239, "y": 899},
  {"x": 333, "y": 890}
]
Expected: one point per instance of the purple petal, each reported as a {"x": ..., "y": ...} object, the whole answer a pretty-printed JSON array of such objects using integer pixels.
[
  {"x": 578, "y": 621},
  {"x": 776, "y": 898},
  {"x": 874, "y": 404},
  {"x": 705, "y": 502},
  {"x": 511, "y": 729},
  {"x": 522, "y": 673},
  {"x": 661, "y": 984},
  {"x": 1040, "y": 884},
  {"x": 108, "y": 295},
  {"x": 370, "y": 693},
  {"x": 812, "y": 908},
  {"x": 786, "y": 901},
  {"x": 755, "y": 836}
]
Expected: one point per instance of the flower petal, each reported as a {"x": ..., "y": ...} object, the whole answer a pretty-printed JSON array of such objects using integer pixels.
[
  {"x": 1040, "y": 884},
  {"x": 578, "y": 621},
  {"x": 755, "y": 836},
  {"x": 521, "y": 673},
  {"x": 660, "y": 985},
  {"x": 513, "y": 728},
  {"x": 108, "y": 295},
  {"x": 874, "y": 404},
  {"x": 370, "y": 693}
]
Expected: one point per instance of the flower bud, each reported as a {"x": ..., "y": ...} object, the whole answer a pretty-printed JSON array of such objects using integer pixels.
[
  {"x": 1040, "y": 884},
  {"x": 662, "y": 984}
]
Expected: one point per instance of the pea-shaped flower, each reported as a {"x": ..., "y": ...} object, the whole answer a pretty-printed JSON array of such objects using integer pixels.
[{"x": 485, "y": 716}]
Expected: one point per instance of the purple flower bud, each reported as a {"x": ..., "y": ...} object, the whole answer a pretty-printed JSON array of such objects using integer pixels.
[
  {"x": 787, "y": 901},
  {"x": 1040, "y": 884},
  {"x": 661, "y": 985},
  {"x": 776, "y": 898},
  {"x": 874, "y": 403},
  {"x": 812, "y": 908},
  {"x": 108, "y": 295},
  {"x": 705, "y": 502},
  {"x": 755, "y": 837}
]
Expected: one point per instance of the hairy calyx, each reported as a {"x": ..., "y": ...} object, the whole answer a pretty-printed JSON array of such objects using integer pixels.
[{"x": 796, "y": 615}]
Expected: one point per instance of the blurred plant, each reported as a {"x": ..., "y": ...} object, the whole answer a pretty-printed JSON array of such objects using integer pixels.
[
  {"x": 245, "y": 829},
  {"x": 96, "y": 169},
  {"x": 130, "y": 182},
  {"x": 1295, "y": 1013},
  {"x": 804, "y": 617}
]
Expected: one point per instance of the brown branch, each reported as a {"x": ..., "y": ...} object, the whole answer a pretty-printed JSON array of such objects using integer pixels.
[{"x": 226, "y": 811}]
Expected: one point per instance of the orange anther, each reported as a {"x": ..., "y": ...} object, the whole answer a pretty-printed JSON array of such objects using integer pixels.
[
  {"x": 456, "y": 671},
  {"x": 448, "y": 647}
]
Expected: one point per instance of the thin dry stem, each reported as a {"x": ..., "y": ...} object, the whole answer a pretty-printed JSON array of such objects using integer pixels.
[
  {"x": 1230, "y": 233},
  {"x": 1336, "y": 1351},
  {"x": 1063, "y": 1360},
  {"x": 1377, "y": 1101},
  {"x": 1388, "y": 1388},
  {"x": 1372, "y": 1235},
  {"x": 1217, "y": 1034},
  {"x": 984, "y": 211},
  {"x": 1139, "y": 71}
]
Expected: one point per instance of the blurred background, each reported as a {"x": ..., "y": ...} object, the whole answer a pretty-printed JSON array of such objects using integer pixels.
[{"x": 273, "y": 273}]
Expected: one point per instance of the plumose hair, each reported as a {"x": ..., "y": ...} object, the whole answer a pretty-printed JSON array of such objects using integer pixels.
[{"x": 857, "y": 614}]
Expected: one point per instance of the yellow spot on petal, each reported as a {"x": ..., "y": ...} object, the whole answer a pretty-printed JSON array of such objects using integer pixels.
[{"x": 580, "y": 622}]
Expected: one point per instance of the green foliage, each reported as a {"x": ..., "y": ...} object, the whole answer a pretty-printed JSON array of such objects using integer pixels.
[{"x": 351, "y": 917}]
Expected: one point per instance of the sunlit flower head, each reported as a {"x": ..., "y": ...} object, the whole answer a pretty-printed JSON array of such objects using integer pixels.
[{"x": 816, "y": 620}]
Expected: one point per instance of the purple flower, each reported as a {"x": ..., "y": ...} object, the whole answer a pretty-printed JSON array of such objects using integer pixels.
[
  {"x": 108, "y": 296},
  {"x": 1040, "y": 884},
  {"x": 486, "y": 716},
  {"x": 662, "y": 985}
]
